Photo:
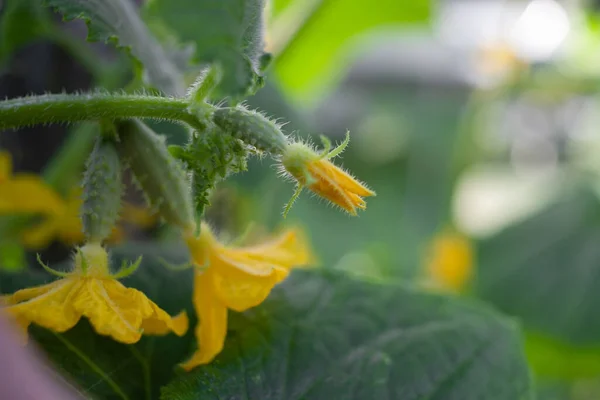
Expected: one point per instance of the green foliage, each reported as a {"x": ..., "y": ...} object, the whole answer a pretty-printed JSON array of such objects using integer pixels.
[
  {"x": 119, "y": 22},
  {"x": 328, "y": 336},
  {"x": 160, "y": 176},
  {"x": 211, "y": 156},
  {"x": 21, "y": 22},
  {"x": 229, "y": 32},
  {"x": 12, "y": 256},
  {"x": 102, "y": 191},
  {"x": 319, "y": 335},
  {"x": 550, "y": 280},
  {"x": 333, "y": 24}
]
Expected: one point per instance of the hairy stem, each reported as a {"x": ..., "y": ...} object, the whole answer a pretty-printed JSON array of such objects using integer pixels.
[{"x": 65, "y": 108}]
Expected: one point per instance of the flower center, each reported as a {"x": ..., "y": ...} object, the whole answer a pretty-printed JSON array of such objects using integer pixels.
[{"x": 92, "y": 260}]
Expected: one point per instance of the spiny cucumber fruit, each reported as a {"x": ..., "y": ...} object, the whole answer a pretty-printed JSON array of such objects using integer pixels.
[
  {"x": 102, "y": 191},
  {"x": 158, "y": 173},
  {"x": 251, "y": 127}
]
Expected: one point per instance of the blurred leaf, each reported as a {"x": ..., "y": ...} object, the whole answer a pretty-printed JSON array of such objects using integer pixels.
[
  {"x": 21, "y": 22},
  {"x": 12, "y": 256},
  {"x": 103, "y": 368},
  {"x": 117, "y": 21},
  {"x": 311, "y": 61},
  {"x": 325, "y": 336},
  {"x": 278, "y": 5},
  {"x": 227, "y": 31},
  {"x": 552, "y": 358},
  {"x": 546, "y": 271}
]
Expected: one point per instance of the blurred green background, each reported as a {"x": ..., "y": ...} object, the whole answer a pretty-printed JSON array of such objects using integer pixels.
[{"x": 474, "y": 117}]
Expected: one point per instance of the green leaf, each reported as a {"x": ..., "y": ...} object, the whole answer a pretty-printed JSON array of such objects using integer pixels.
[
  {"x": 326, "y": 336},
  {"x": 21, "y": 22},
  {"x": 118, "y": 21},
  {"x": 314, "y": 57},
  {"x": 229, "y": 32},
  {"x": 103, "y": 368},
  {"x": 12, "y": 256},
  {"x": 546, "y": 271},
  {"x": 319, "y": 335}
]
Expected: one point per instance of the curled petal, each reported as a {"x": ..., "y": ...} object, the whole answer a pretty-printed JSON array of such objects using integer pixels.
[
  {"x": 161, "y": 323},
  {"x": 212, "y": 328}
]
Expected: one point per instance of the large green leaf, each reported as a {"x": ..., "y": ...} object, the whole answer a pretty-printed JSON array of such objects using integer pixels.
[
  {"x": 326, "y": 336},
  {"x": 226, "y": 31},
  {"x": 319, "y": 335},
  {"x": 312, "y": 61},
  {"x": 118, "y": 21},
  {"x": 546, "y": 271}
]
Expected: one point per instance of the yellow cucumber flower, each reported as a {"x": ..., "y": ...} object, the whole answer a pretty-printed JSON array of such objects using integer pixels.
[
  {"x": 25, "y": 193},
  {"x": 236, "y": 278},
  {"x": 450, "y": 261},
  {"x": 65, "y": 224},
  {"x": 315, "y": 171},
  {"x": 90, "y": 290}
]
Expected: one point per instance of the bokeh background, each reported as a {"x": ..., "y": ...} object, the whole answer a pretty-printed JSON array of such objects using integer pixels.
[{"x": 476, "y": 122}]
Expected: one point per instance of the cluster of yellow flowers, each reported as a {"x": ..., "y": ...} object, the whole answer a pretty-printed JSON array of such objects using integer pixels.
[
  {"x": 236, "y": 278},
  {"x": 25, "y": 193}
]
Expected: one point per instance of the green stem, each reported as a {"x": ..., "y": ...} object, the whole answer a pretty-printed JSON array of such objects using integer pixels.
[{"x": 65, "y": 108}]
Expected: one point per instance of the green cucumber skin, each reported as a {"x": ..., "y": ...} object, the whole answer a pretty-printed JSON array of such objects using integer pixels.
[
  {"x": 102, "y": 191},
  {"x": 157, "y": 172},
  {"x": 251, "y": 127}
]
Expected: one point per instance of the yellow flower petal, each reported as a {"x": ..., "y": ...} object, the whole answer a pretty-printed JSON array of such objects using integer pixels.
[
  {"x": 139, "y": 216},
  {"x": 289, "y": 249},
  {"x": 240, "y": 291},
  {"x": 5, "y": 165},
  {"x": 324, "y": 178},
  {"x": 344, "y": 179},
  {"x": 28, "y": 194},
  {"x": 236, "y": 278},
  {"x": 40, "y": 235},
  {"x": 52, "y": 309},
  {"x": 326, "y": 187},
  {"x": 212, "y": 328},
  {"x": 113, "y": 309},
  {"x": 450, "y": 261},
  {"x": 161, "y": 323}
]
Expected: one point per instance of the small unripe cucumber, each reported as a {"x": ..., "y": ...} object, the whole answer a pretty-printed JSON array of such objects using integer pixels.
[
  {"x": 158, "y": 173},
  {"x": 102, "y": 190},
  {"x": 251, "y": 127}
]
